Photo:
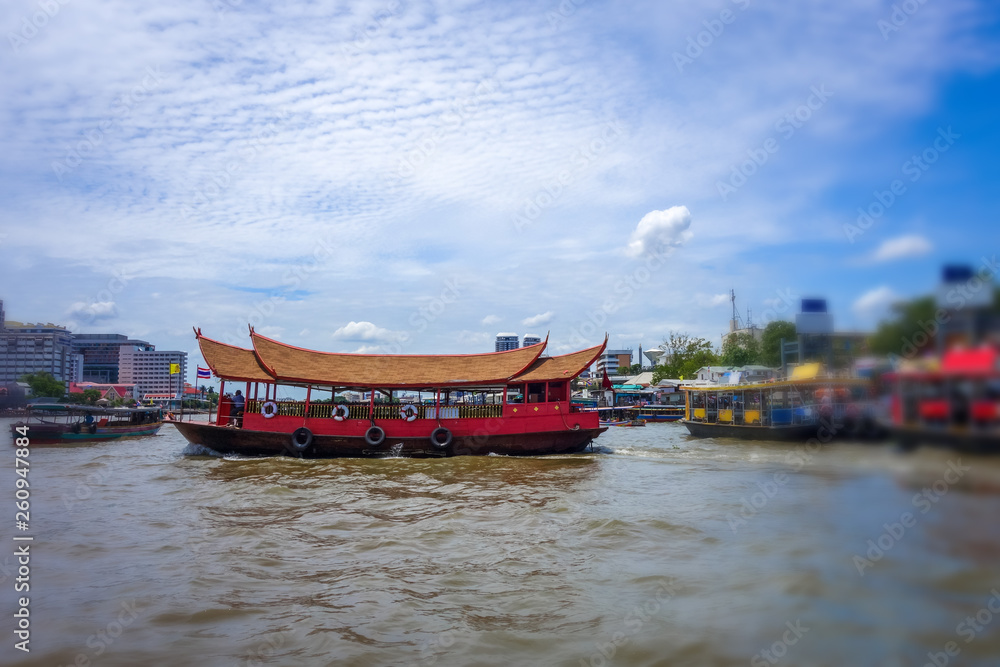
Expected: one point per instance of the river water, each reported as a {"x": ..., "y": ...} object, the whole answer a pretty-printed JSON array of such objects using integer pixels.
[{"x": 655, "y": 549}]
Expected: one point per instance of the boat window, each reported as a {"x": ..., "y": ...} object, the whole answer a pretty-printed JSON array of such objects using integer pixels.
[
  {"x": 515, "y": 393},
  {"x": 536, "y": 392}
]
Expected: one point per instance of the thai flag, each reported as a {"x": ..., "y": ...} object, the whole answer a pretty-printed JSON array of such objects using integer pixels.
[{"x": 204, "y": 372}]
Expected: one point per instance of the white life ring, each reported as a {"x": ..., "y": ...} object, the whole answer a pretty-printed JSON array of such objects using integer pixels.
[
  {"x": 408, "y": 412},
  {"x": 269, "y": 409},
  {"x": 341, "y": 412}
]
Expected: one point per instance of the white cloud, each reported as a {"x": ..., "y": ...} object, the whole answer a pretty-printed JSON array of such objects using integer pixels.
[
  {"x": 364, "y": 331},
  {"x": 538, "y": 320},
  {"x": 93, "y": 312},
  {"x": 875, "y": 303},
  {"x": 660, "y": 230},
  {"x": 902, "y": 246},
  {"x": 490, "y": 319}
]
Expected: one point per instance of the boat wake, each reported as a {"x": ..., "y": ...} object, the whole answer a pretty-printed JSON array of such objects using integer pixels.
[{"x": 199, "y": 450}]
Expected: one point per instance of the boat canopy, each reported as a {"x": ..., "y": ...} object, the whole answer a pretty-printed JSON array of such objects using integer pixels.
[{"x": 273, "y": 361}]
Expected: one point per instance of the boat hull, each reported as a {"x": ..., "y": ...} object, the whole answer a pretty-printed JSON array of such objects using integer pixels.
[
  {"x": 62, "y": 434},
  {"x": 244, "y": 442},
  {"x": 966, "y": 440},
  {"x": 798, "y": 432}
]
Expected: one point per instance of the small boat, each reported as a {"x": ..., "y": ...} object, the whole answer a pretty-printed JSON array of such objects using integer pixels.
[
  {"x": 515, "y": 403},
  {"x": 58, "y": 423},
  {"x": 658, "y": 413},
  {"x": 632, "y": 423},
  {"x": 793, "y": 410}
]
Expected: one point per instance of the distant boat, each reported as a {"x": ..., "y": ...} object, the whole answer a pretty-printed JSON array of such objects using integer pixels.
[
  {"x": 955, "y": 404},
  {"x": 362, "y": 405},
  {"x": 794, "y": 410},
  {"x": 58, "y": 423},
  {"x": 658, "y": 413}
]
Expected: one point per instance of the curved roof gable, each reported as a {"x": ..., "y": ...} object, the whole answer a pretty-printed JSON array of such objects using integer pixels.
[
  {"x": 564, "y": 367},
  {"x": 230, "y": 362}
]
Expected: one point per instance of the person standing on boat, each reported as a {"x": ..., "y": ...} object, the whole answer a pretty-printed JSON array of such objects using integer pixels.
[{"x": 238, "y": 404}]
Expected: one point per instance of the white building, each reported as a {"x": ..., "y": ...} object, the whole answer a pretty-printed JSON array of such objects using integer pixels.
[
  {"x": 149, "y": 370},
  {"x": 506, "y": 341},
  {"x": 612, "y": 360},
  {"x": 530, "y": 339}
]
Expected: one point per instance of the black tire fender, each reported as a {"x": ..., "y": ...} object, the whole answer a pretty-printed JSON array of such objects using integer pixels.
[
  {"x": 302, "y": 438},
  {"x": 375, "y": 436},
  {"x": 441, "y": 437}
]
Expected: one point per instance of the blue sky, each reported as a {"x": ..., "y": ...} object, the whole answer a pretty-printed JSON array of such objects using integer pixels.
[{"x": 406, "y": 176}]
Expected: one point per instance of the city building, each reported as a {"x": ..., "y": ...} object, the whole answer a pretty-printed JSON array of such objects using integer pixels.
[
  {"x": 506, "y": 341},
  {"x": 149, "y": 370},
  {"x": 612, "y": 360},
  {"x": 101, "y": 355},
  {"x": 36, "y": 348},
  {"x": 531, "y": 339}
]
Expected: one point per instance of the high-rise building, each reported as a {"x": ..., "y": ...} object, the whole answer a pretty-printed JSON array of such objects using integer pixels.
[
  {"x": 149, "y": 370},
  {"x": 530, "y": 339},
  {"x": 506, "y": 341},
  {"x": 612, "y": 360},
  {"x": 35, "y": 348},
  {"x": 101, "y": 355}
]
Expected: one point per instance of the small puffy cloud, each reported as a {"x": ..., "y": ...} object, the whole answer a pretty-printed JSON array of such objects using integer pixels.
[
  {"x": 875, "y": 303},
  {"x": 660, "y": 230},
  {"x": 93, "y": 312},
  {"x": 902, "y": 246},
  {"x": 490, "y": 319},
  {"x": 363, "y": 331},
  {"x": 369, "y": 349},
  {"x": 538, "y": 320},
  {"x": 703, "y": 300}
]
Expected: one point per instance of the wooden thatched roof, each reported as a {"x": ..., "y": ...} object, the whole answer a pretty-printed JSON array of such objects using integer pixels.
[{"x": 274, "y": 361}]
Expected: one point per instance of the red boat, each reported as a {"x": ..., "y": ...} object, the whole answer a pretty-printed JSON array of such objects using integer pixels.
[
  {"x": 360, "y": 405},
  {"x": 956, "y": 404}
]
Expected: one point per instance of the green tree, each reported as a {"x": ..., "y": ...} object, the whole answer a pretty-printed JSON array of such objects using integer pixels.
[
  {"x": 897, "y": 335},
  {"x": 740, "y": 349},
  {"x": 770, "y": 343},
  {"x": 683, "y": 356},
  {"x": 87, "y": 396},
  {"x": 44, "y": 384}
]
